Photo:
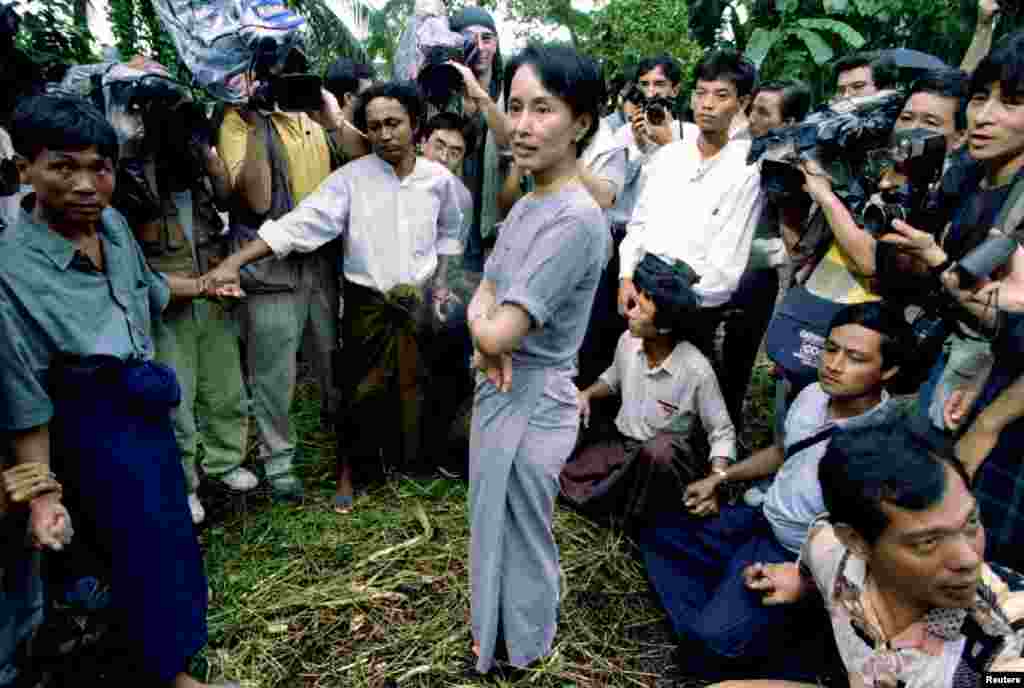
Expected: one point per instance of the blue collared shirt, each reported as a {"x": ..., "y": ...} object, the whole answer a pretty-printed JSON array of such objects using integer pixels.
[
  {"x": 54, "y": 301},
  {"x": 794, "y": 499}
]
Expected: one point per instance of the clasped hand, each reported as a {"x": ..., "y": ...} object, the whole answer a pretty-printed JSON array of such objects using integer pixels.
[
  {"x": 49, "y": 523},
  {"x": 498, "y": 369},
  {"x": 222, "y": 282},
  {"x": 777, "y": 583},
  {"x": 699, "y": 497}
]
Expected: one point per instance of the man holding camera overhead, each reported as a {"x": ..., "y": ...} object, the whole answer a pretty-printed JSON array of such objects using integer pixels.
[
  {"x": 483, "y": 105},
  {"x": 276, "y": 154}
]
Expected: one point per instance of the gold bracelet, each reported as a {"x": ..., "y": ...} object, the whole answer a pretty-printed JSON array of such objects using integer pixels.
[{"x": 26, "y": 481}]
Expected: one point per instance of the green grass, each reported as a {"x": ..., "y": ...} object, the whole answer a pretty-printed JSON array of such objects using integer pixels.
[{"x": 304, "y": 597}]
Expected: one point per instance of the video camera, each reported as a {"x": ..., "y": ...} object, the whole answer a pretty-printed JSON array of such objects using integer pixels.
[
  {"x": 655, "y": 109},
  {"x": 836, "y": 136},
  {"x": 920, "y": 155},
  {"x": 291, "y": 89}
]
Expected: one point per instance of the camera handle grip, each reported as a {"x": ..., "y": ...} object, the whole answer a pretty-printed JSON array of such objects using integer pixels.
[{"x": 984, "y": 259}]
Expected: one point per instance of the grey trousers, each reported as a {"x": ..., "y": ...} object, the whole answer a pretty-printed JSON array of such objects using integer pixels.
[{"x": 273, "y": 326}]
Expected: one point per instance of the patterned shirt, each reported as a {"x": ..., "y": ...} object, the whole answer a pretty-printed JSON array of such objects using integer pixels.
[{"x": 947, "y": 648}]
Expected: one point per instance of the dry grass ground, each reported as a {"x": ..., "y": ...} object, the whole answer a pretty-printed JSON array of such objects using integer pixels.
[{"x": 302, "y": 597}]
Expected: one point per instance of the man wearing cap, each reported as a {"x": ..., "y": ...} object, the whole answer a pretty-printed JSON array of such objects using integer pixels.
[{"x": 666, "y": 384}]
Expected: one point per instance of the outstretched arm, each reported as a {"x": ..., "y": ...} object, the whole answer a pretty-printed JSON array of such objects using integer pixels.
[{"x": 981, "y": 42}]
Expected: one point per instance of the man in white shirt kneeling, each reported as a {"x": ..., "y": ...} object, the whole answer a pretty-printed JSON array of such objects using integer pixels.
[{"x": 666, "y": 384}]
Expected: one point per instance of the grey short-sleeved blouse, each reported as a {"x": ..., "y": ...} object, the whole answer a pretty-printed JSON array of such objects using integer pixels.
[
  {"x": 54, "y": 301},
  {"x": 548, "y": 259}
]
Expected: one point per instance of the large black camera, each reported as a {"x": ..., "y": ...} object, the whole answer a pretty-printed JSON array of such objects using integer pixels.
[
  {"x": 919, "y": 155},
  {"x": 292, "y": 89},
  {"x": 656, "y": 110},
  {"x": 439, "y": 82},
  {"x": 836, "y": 136}
]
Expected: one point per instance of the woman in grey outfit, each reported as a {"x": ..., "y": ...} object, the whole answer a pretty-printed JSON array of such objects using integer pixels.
[{"x": 528, "y": 318}]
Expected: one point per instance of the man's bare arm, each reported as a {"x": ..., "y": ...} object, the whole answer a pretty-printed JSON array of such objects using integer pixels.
[{"x": 981, "y": 42}]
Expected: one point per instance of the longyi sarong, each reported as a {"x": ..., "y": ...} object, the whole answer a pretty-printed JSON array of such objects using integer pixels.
[
  {"x": 113, "y": 449},
  {"x": 519, "y": 442},
  {"x": 381, "y": 371},
  {"x": 623, "y": 478}
]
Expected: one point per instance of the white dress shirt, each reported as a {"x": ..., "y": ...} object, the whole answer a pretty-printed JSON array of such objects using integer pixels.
[
  {"x": 394, "y": 229},
  {"x": 701, "y": 211},
  {"x": 669, "y": 396}
]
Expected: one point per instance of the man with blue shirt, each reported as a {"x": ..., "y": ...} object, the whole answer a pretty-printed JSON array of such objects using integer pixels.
[{"x": 695, "y": 560}]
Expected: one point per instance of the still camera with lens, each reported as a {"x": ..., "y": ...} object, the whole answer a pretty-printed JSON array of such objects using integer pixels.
[{"x": 656, "y": 109}]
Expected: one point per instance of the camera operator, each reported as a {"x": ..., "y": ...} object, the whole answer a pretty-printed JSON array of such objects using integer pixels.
[
  {"x": 705, "y": 177},
  {"x": 863, "y": 74},
  {"x": 346, "y": 79},
  {"x": 274, "y": 160},
  {"x": 995, "y": 136},
  {"x": 657, "y": 78},
  {"x": 855, "y": 265},
  {"x": 936, "y": 103},
  {"x": 775, "y": 104}
]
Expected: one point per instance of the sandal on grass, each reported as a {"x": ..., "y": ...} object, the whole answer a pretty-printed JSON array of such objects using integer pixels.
[{"x": 342, "y": 504}]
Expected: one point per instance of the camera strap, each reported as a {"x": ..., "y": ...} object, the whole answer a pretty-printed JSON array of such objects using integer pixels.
[{"x": 1011, "y": 215}]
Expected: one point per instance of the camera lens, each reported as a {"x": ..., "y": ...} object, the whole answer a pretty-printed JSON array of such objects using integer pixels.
[
  {"x": 878, "y": 217},
  {"x": 655, "y": 114}
]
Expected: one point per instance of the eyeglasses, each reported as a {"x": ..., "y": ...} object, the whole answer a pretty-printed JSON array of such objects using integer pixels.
[{"x": 444, "y": 149}]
